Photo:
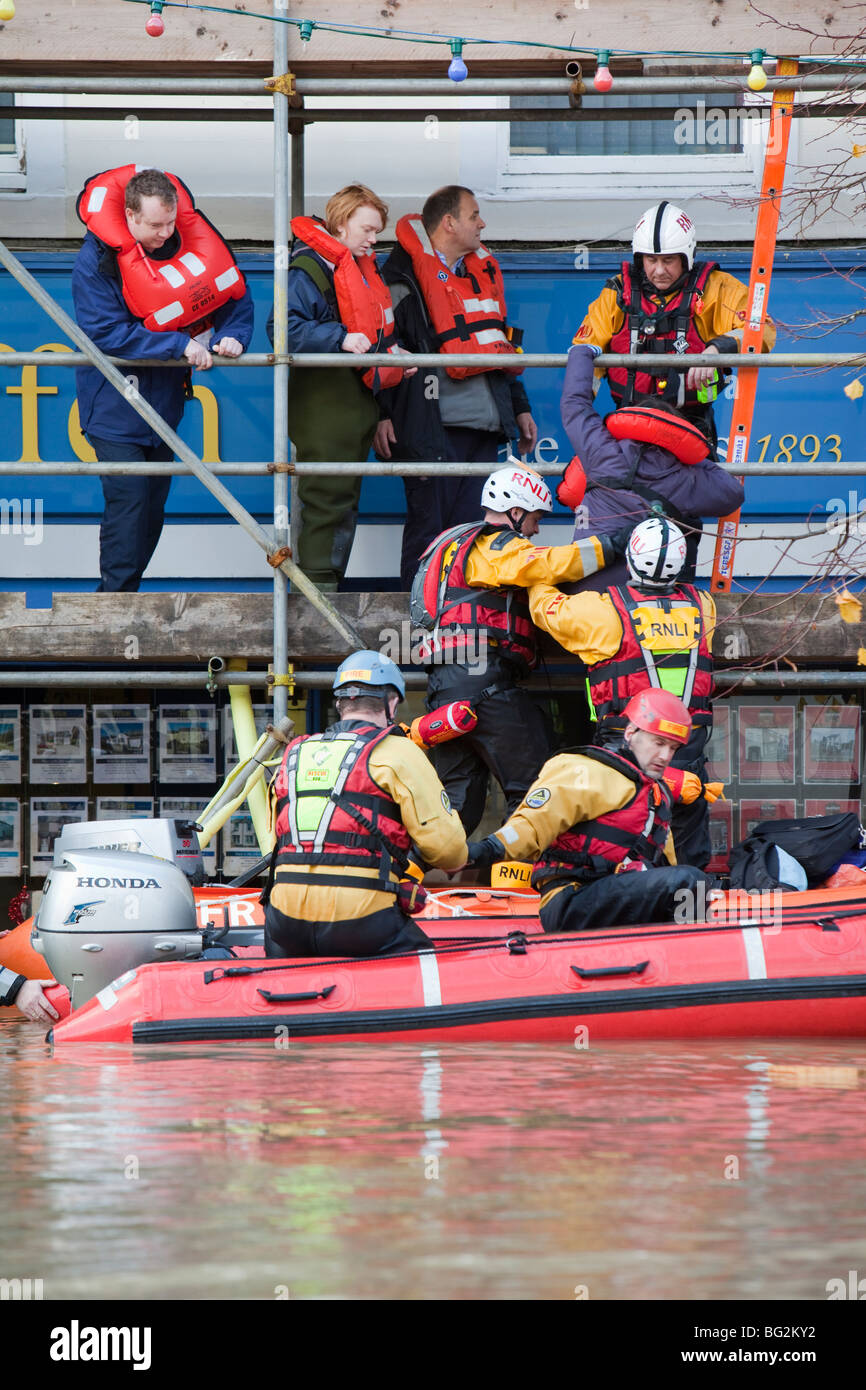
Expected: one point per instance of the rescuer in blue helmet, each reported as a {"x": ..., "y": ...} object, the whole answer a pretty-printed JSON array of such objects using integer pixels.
[{"x": 347, "y": 807}]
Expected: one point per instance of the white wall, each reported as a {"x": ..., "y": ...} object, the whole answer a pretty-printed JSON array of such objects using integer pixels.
[{"x": 229, "y": 168}]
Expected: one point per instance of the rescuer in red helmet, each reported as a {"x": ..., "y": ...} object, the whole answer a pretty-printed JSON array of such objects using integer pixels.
[
  {"x": 654, "y": 631},
  {"x": 597, "y": 825}
]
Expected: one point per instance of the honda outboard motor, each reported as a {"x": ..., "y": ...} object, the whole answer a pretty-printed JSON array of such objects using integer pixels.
[
  {"x": 104, "y": 912},
  {"x": 174, "y": 840}
]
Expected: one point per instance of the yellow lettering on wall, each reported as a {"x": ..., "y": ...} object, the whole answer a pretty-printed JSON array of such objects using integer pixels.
[
  {"x": 80, "y": 446},
  {"x": 210, "y": 424}
]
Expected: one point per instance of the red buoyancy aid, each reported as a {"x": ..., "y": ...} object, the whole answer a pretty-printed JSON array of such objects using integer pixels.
[
  {"x": 636, "y": 832},
  {"x": 654, "y": 425},
  {"x": 360, "y": 826},
  {"x": 664, "y": 644},
  {"x": 363, "y": 298},
  {"x": 181, "y": 292},
  {"x": 655, "y": 328},
  {"x": 459, "y": 616},
  {"x": 467, "y": 311}
]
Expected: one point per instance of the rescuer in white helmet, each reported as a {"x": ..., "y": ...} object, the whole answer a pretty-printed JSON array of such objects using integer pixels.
[
  {"x": 653, "y": 632},
  {"x": 470, "y": 596},
  {"x": 663, "y": 301}
]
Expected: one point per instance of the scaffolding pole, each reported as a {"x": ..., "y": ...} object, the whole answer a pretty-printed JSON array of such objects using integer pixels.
[
  {"x": 415, "y": 680},
  {"x": 656, "y": 364},
  {"x": 378, "y": 87},
  {"x": 281, "y": 370},
  {"x": 393, "y": 468}
]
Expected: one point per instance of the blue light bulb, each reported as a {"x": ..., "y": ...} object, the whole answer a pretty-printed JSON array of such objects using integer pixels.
[{"x": 457, "y": 69}]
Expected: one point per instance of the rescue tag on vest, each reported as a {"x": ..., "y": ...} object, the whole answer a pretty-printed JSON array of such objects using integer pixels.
[
  {"x": 318, "y": 768},
  {"x": 660, "y": 631}
]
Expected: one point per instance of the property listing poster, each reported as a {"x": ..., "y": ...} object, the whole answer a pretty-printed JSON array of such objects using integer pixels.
[
  {"x": 48, "y": 815},
  {"x": 262, "y": 714},
  {"x": 58, "y": 743},
  {"x": 831, "y": 743},
  {"x": 10, "y": 745},
  {"x": 187, "y": 743},
  {"x": 121, "y": 743},
  {"x": 240, "y": 846},
  {"x": 10, "y": 836},
  {"x": 766, "y": 743}
]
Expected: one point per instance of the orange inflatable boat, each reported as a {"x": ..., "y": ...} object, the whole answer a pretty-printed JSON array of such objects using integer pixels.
[{"x": 797, "y": 969}]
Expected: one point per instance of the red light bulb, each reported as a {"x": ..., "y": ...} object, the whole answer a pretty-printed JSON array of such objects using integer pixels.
[
  {"x": 602, "y": 81},
  {"x": 155, "y": 26}
]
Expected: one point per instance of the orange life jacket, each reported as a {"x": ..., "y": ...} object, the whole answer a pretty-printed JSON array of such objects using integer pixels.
[
  {"x": 651, "y": 327},
  {"x": 356, "y": 824},
  {"x": 181, "y": 292},
  {"x": 467, "y": 311},
  {"x": 592, "y": 849},
  {"x": 460, "y": 616},
  {"x": 677, "y": 661},
  {"x": 363, "y": 298}
]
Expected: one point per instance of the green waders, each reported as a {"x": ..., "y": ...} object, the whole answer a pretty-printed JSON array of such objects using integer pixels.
[{"x": 332, "y": 419}]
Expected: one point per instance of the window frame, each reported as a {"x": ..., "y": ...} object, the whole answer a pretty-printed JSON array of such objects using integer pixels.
[
  {"x": 614, "y": 178},
  {"x": 13, "y": 163}
]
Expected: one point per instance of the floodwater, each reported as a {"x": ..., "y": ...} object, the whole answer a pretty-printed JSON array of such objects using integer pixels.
[{"x": 629, "y": 1171}]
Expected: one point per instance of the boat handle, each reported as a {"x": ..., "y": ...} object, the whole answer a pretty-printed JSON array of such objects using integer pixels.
[
  {"x": 296, "y": 998},
  {"x": 611, "y": 970}
]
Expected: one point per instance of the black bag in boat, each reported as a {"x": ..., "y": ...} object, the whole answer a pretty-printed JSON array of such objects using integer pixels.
[{"x": 816, "y": 842}]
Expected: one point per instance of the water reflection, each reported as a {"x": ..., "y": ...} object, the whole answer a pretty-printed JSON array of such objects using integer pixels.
[{"x": 663, "y": 1171}]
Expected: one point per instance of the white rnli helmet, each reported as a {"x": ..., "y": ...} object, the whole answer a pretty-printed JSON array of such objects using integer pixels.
[
  {"x": 656, "y": 553},
  {"x": 516, "y": 487},
  {"x": 665, "y": 230}
]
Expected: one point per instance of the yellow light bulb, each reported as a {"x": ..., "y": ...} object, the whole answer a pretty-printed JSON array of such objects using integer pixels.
[
  {"x": 7, "y": 11},
  {"x": 757, "y": 78}
]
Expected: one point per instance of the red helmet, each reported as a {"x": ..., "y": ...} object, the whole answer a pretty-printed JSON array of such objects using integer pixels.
[{"x": 659, "y": 712}]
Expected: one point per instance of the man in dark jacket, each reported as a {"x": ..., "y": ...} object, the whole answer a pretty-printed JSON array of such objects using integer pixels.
[
  {"x": 627, "y": 480},
  {"x": 431, "y": 418},
  {"x": 134, "y": 506}
]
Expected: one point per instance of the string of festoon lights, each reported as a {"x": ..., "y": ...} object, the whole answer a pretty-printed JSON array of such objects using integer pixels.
[{"x": 602, "y": 81}]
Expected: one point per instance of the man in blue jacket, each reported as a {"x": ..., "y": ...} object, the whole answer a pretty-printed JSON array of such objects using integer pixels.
[
  {"x": 134, "y": 506},
  {"x": 626, "y": 480}
]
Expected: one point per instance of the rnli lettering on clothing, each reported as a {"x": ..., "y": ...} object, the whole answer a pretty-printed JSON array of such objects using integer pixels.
[
  {"x": 167, "y": 295},
  {"x": 666, "y": 631},
  {"x": 467, "y": 311}
]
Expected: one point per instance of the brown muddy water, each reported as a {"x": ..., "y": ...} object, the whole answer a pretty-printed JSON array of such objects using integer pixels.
[{"x": 629, "y": 1171}]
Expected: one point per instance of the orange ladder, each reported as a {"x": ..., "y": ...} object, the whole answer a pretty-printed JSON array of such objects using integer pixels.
[{"x": 759, "y": 292}]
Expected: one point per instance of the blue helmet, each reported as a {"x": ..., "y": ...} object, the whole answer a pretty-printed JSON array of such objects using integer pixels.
[{"x": 368, "y": 673}]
